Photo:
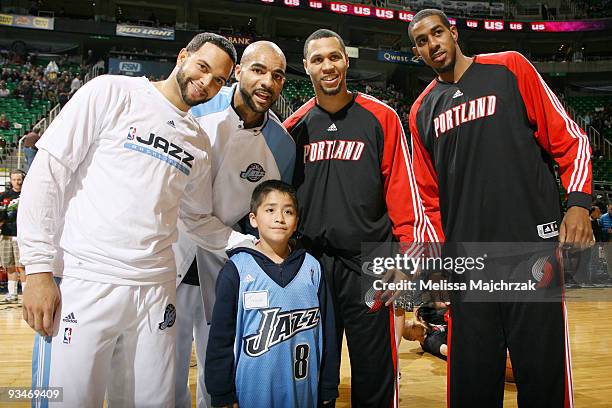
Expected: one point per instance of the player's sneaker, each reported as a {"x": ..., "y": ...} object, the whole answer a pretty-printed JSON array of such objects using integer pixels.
[{"x": 10, "y": 299}]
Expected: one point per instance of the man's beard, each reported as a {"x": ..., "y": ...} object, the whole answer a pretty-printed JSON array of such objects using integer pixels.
[
  {"x": 331, "y": 92},
  {"x": 448, "y": 68},
  {"x": 248, "y": 100},
  {"x": 183, "y": 84}
]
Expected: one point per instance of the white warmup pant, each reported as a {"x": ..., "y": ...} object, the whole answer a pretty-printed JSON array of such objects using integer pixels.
[
  {"x": 111, "y": 340},
  {"x": 190, "y": 324}
]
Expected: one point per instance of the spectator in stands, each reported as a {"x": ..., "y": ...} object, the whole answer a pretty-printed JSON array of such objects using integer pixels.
[
  {"x": 606, "y": 235},
  {"x": 4, "y": 122},
  {"x": 75, "y": 84},
  {"x": 589, "y": 266},
  {"x": 63, "y": 89},
  {"x": 596, "y": 153},
  {"x": 27, "y": 91},
  {"x": 29, "y": 146},
  {"x": 28, "y": 63},
  {"x": 63, "y": 98},
  {"x": 9, "y": 251},
  {"x": 10, "y": 74},
  {"x": 4, "y": 92},
  {"x": 89, "y": 59},
  {"x": 595, "y": 214},
  {"x": 52, "y": 97}
]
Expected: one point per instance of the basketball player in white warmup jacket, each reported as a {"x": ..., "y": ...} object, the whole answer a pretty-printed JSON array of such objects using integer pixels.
[
  {"x": 115, "y": 170},
  {"x": 249, "y": 146}
]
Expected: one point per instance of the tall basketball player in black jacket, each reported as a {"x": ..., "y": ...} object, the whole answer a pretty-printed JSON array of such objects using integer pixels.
[
  {"x": 354, "y": 184},
  {"x": 485, "y": 133}
]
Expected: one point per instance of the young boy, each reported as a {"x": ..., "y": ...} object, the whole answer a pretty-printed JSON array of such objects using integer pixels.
[{"x": 272, "y": 339}]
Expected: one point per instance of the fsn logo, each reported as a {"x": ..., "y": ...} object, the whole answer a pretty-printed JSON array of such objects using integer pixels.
[{"x": 130, "y": 66}]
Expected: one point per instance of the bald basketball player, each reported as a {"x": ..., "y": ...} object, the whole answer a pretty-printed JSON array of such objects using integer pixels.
[{"x": 249, "y": 146}]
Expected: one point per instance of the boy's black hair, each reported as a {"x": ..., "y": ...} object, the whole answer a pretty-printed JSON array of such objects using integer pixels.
[{"x": 268, "y": 186}]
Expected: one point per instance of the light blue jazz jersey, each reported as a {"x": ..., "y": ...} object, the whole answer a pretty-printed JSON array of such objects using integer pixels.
[{"x": 279, "y": 336}]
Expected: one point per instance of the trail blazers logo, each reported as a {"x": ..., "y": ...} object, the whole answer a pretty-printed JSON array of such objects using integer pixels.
[{"x": 276, "y": 327}]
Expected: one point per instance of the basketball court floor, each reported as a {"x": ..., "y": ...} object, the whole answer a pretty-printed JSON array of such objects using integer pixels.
[{"x": 423, "y": 382}]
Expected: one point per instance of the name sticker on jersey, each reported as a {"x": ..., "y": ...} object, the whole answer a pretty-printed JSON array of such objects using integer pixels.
[
  {"x": 161, "y": 149},
  {"x": 333, "y": 150},
  {"x": 255, "y": 299},
  {"x": 465, "y": 112},
  {"x": 276, "y": 327}
]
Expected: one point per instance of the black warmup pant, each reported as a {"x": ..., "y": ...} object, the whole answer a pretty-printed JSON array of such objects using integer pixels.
[
  {"x": 370, "y": 336},
  {"x": 534, "y": 332}
]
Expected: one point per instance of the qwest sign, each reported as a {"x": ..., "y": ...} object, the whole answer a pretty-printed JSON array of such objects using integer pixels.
[{"x": 398, "y": 57}]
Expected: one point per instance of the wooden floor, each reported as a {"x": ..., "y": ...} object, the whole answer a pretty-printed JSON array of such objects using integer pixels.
[{"x": 423, "y": 383}]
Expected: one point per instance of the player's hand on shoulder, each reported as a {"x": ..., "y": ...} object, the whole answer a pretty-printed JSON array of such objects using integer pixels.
[
  {"x": 41, "y": 298},
  {"x": 576, "y": 231}
]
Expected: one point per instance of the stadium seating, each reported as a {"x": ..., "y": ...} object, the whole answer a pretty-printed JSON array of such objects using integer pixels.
[
  {"x": 602, "y": 170},
  {"x": 587, "y": 104},
  {"x": 21, "y": 117},
  {"x": 302, "y": 88},
  {"x": 295, "y": 88},
  {"x": 591, "y": 105},
  {"x": 17, "y": 113}
]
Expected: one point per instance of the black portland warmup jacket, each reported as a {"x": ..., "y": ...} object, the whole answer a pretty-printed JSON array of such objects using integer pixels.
[{"x": 483, "y": 151}]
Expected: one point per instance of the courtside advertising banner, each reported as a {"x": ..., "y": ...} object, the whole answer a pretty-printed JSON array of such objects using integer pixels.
[
  {"x": 158, "y": 33},
  {"x": 37, "y": 23},
  {"x": 398, "y": 57},
  {"x": 139, "y": 67}
]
